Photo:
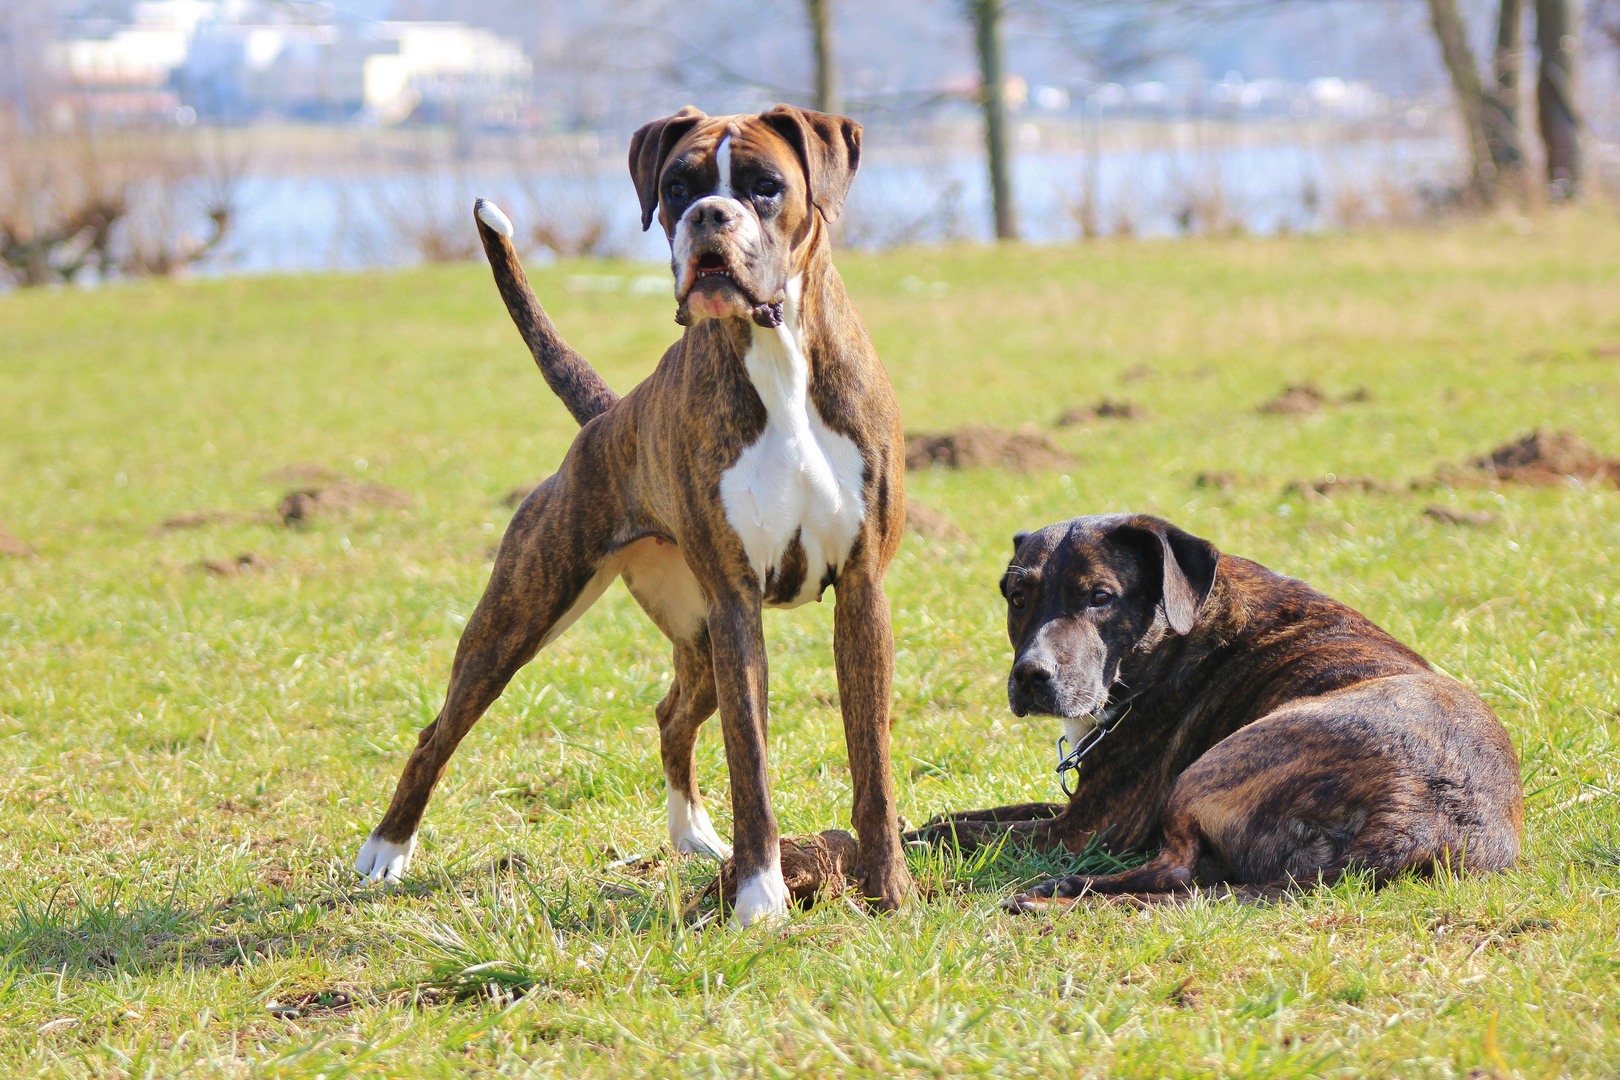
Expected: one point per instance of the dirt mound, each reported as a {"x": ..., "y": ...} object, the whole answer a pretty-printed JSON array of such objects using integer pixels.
[
  {"x": 812, "y": 867},
  {"x": 1105, "y": 409},
  {"x": 209, "y": 517},
  {"x": 244, "y": 563},
  {"x": 1303, "y": 398},
  {"x": 985, "y": 447},
  {"x": 1541, "y": 458},
  {"x": 1449, "y": 515},
  {"x": 10, "y": 545},
  {"x": 1331, "y": 485},
  {"x": 930, "y": 524},
  {"x": 302, "y": 506}
]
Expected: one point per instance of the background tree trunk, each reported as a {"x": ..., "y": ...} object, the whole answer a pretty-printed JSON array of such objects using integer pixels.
[
  {"x": 1464, "y": 69},
  {"x": 992, "y": 95},
  {"x": 1558, "y": 43},
  {"x": 828, "y": 99},
  {"x": 1502, "y": 103}
]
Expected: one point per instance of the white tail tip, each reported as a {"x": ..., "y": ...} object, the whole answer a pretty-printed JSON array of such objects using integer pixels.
[{"x": 491, "y": 215}]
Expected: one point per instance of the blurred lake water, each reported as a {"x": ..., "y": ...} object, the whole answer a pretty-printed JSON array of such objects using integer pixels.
[{"x": 297, "y": 222}]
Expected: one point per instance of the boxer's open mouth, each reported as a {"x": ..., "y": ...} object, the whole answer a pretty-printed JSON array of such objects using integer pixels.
[{"x": 711, "y": 265}]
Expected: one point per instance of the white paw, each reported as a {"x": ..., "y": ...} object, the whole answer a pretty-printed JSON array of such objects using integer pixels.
[
  {"x": 691, "y": 830},
  {"x": 384, "y": 860},
  {"x": 762, "y": 898},
  {"x": 491, "y": 215}
]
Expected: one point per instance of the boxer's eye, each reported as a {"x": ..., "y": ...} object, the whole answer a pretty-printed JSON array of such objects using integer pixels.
[
  {"x": 677, "y": 189},
  {"x": 766, "y": 188},
  {"x": 1099, "y": 597},
  {"x": 1016, "y": 600}
]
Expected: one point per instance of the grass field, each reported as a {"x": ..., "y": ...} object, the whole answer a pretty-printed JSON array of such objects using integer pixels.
[{"x": 188, "y": 761}]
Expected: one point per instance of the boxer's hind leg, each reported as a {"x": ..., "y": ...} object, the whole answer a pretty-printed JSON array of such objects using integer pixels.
[
  {"x": 658, "y": 577},
  {"x": 691, "y": 700},
  {"x": 554, "y": 562}
]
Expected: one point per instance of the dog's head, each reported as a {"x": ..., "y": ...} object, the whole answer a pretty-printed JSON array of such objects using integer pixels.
[
  {"x": 739, "y": 198},
  {"x": 1087, "y": 598}
]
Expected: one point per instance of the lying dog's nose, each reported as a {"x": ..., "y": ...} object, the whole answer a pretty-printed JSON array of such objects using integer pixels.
[{"x": 1032, "y": 675}]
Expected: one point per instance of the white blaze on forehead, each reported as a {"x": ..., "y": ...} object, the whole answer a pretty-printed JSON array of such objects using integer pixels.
[{"x": 722, "y": 161}]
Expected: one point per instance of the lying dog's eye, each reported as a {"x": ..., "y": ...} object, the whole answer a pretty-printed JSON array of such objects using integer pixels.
[
  {"x": 766, "y": 188},
  {"x": 1099, "y": 597},
  {"x": 1016, "y": 600}
]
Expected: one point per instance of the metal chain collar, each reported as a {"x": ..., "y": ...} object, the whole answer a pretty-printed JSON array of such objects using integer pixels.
[{"x": 1068, "y": 766}]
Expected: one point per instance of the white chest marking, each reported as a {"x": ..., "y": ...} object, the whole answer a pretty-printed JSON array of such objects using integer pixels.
[{"x": 800, "y": 476}]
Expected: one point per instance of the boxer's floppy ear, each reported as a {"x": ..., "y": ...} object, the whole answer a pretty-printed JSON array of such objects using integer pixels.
[
  {"x": 1189, "y": 569},
  {"x": 649, "y": 148},
  {"x": 1018, "y": 540},
  {"x": 829, "y": 148}
]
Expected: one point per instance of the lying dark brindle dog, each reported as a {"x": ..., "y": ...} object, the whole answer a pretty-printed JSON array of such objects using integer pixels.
[{"x": 1267, "y": 733}]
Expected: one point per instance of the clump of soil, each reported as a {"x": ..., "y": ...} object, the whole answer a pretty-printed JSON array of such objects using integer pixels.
[
  {"x": 1106, "y": 409},
  {"x": 1332, "y": 485},
  {"x": 209, "y": 517},
  {"x": 303, "y": 505},
  {"x": 930, "y": 524},
  {"x": 812, "y": 866},
  {"x": 10, "y": 545},
  {"x": 1303, "y": 398},
  {"x": 985, "y": 447},
  {"x": 243, "y": 563},
  {"x": 1541, "y": 458},
  {"x": 1448, "y": 515},
  {"x": 297, "y": 1004}
]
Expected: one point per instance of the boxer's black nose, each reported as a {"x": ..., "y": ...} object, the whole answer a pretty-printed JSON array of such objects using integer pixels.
[
  {"x": 716, "y": 213},
  {"x": 1032, "y": 675}
]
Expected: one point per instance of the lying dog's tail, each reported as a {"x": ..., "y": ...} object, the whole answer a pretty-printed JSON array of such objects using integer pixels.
[{"x": 584, "y": 391}]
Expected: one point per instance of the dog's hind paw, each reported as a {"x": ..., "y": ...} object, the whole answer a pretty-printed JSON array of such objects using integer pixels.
[{"x": 384, "y": 860}]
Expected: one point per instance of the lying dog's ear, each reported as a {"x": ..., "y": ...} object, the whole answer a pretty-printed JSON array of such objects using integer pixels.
[
  {"x": 1018, "y": 540},
  {"x": 649, "y": 149},
  {"x": 1189, "y": 564},
  {"x": 829, "y": 148}
]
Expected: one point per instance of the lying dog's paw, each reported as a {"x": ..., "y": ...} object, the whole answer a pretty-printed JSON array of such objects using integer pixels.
[
  {"x": 1048, "y": 897},
  {"x": 384, "y": 860},
  {"x": 1031, "y": 904}
]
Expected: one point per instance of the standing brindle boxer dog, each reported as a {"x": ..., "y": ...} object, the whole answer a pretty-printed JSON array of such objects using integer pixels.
[
  {"x": 761, "y": 462},
  {"x": 1266, "y": 733}
]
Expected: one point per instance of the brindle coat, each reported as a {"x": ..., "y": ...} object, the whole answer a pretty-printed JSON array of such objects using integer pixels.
[
  {"x": 639, "y": 492},
  {"x": 1265, "y": 732}
]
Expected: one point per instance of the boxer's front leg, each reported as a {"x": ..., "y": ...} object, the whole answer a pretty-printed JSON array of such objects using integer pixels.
[
  {"x": 741, "y": 677},
  {"x": 863, "y": 644}
]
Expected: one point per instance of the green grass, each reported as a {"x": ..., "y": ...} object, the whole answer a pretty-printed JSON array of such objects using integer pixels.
[{"x": 188, "y": 762}]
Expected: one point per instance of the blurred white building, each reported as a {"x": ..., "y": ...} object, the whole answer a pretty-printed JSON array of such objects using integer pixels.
[{"x": 240, "y": 60}]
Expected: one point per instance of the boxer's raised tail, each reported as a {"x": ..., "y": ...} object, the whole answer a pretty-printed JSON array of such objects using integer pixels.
[{"x": 584, "y": 391}]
